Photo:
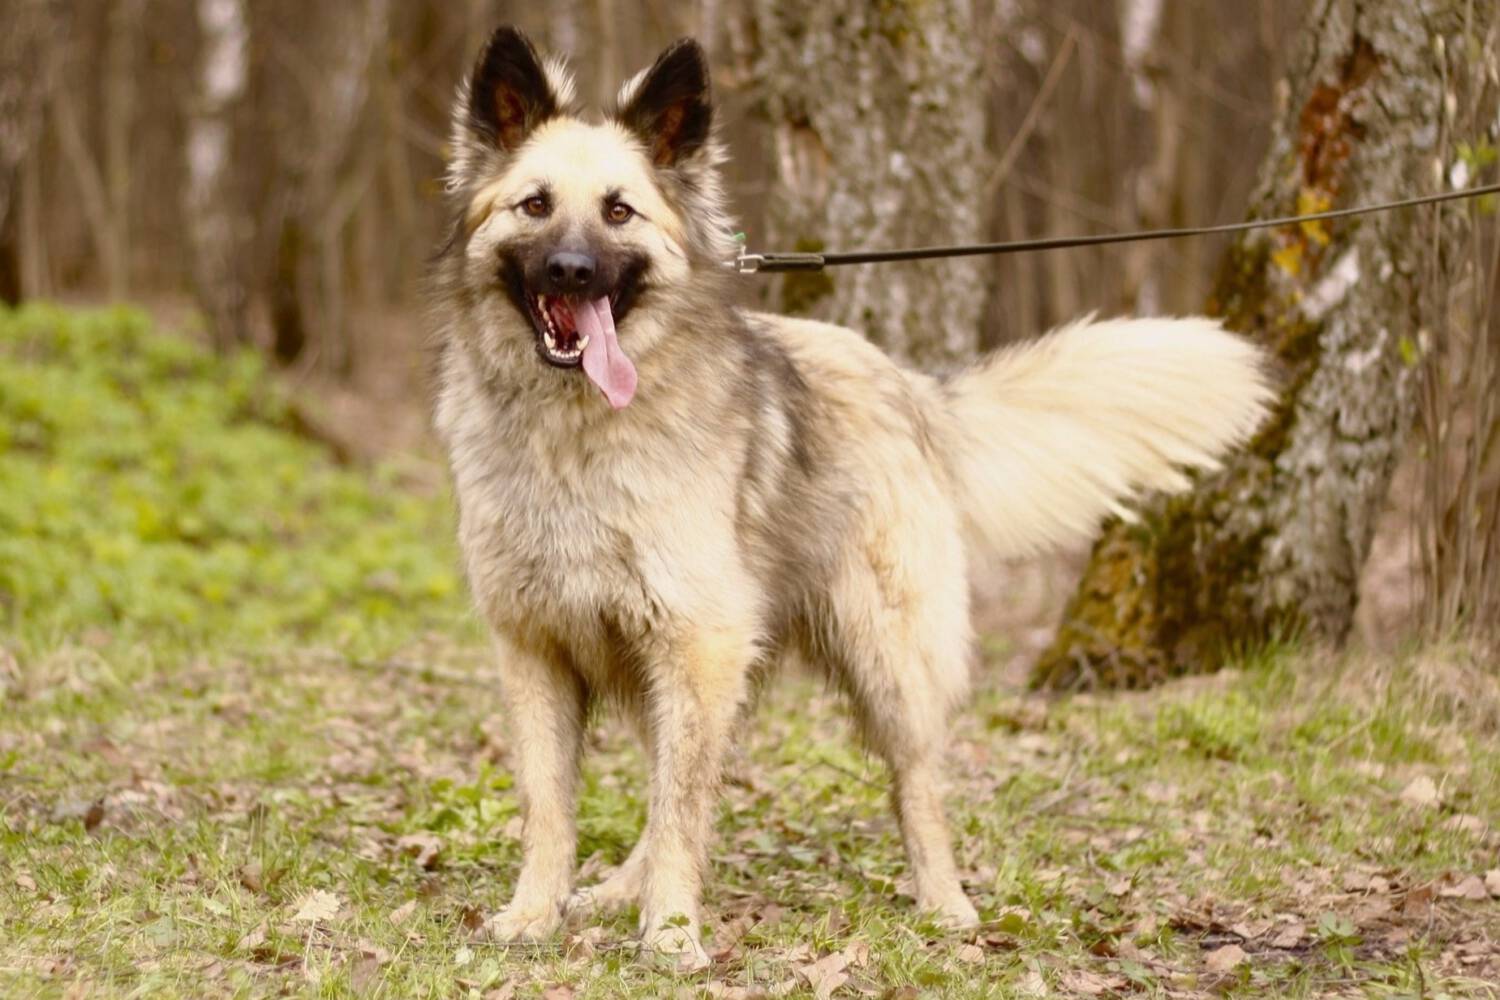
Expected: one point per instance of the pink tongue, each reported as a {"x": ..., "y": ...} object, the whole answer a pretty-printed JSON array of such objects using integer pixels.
[{"x": 603, "y": 361}]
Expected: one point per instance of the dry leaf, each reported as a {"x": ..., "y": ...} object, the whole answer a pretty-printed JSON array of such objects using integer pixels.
[
  {"x": 1091, "y": 983},
  {"x": 577, "y": 948},
  {"x": 1421, "y": 793},
  {"x": 1225, "y": 958},
  {"x": 558, "y": 991},
  {"x": 1290, "y": 936},
  {"x": 825, "y": 975},
  {"x": 505, "y": 991},
  {"x": 1492, "y": 881},
  {"x": 402, "y": 913},
  {"x": 1471, "y": 888},
  {"x": 1464, "y": 823},
  {"x": 424, "y": 847},
  {"x": 1417, "y": 902},
  {"x": 1032, "y": 985},
  {"x": 318, "y": 905},
  {"x": 970, "y": 954},
  {"x": 857, "y": 954},
  {"x": 252, "y": 877},
  {"x": 362, "y": 975},
  {"x": 254, "y": 939}
]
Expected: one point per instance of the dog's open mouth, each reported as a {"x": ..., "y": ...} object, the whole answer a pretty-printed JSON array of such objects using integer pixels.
[
  {"x": 556, "y": 321},
  {"x": 581, "y": 333}
]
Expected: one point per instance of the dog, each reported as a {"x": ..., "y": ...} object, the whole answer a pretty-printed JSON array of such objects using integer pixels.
[{"x": 662, "y": 495}]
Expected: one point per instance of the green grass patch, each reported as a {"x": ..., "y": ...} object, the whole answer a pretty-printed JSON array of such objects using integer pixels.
[{"x": 151, "y": 488}]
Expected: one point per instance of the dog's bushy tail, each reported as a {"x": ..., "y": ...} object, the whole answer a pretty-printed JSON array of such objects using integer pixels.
[{"x": 1047, "y": 437}]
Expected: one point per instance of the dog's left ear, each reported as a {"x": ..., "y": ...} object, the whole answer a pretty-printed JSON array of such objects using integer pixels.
[{"x": 670, "y": 105}]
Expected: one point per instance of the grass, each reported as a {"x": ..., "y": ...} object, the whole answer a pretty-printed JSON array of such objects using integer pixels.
[{"x": 217, "y": 795}]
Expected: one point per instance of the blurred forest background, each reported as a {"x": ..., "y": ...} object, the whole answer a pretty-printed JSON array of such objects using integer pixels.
[
  {"x": 283, "y": 159},
  {"x": 269, "y": 173}
]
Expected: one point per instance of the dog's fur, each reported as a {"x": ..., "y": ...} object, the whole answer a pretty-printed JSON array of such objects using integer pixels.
[{"x": 778, "y": 486}]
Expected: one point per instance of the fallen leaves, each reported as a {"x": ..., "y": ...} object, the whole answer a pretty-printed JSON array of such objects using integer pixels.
[
  {"x": 970, "y": 954},
  {"x": 425, "y": 848},
  {"x": 1421, "y": 793},
  {"x": 825, "y": 975},
  {"x": 1091, "y": 984},
  {"x": 1472, "y": 888},
  {"x": 1222, "y": 960},
  {"x": 317, "y": 906},
  {"x": 1289, "y": 936}
]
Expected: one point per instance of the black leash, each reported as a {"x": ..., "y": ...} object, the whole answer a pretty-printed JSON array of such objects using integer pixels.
[{"x": 770, "y": 263}]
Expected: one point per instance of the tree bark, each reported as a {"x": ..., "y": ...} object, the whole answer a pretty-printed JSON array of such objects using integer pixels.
[
  {"x": 1273, "y": 544},
  {"x": 26, "y": 74},
  {"x": 312, "y": 107},
  {"x": 122, "y": 51},
  {"x": 877, "y": 116},
  {"x": 213, "y": 205}
]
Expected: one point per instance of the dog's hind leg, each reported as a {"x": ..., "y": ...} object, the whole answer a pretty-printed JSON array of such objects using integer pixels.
[
  {"x": 900, "y": 640},
  {"x": 546, "y": 701}
]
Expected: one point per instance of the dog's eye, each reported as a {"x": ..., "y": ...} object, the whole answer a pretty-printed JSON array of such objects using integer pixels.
[
  {"x": 618, "y": 213},
  {"x": 536, "y": 206}
]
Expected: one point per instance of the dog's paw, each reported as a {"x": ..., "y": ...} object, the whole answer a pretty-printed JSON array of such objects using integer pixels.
[
  {"x": 678, "y": 947},
  {"x": 517, "y": 923},
  {"x": 953, "y": 912}
]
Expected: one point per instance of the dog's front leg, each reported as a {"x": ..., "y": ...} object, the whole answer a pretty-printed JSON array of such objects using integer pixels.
[
  {"x": 545, "y": 700},
  {"x": 696, "y": 687}
]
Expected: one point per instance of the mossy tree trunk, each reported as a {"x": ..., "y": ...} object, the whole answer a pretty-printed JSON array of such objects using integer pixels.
[
  {"x": 1273, "y": 544},
  {"x": 877, "y": 117}
]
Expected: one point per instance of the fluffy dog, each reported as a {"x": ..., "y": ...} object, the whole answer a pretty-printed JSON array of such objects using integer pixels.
[{"x": 661, "y": 494}]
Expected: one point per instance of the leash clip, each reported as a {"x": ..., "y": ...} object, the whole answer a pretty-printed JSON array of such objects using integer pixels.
[{"x": 747, "y": 263}]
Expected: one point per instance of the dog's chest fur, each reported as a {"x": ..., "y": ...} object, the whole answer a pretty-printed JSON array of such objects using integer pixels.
[{"x": 586, "y": 525}]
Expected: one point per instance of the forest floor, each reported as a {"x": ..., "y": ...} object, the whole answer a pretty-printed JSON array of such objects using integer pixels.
[
  {"x": 257, "y": 824},
  {"x": 249, "y": 746}
]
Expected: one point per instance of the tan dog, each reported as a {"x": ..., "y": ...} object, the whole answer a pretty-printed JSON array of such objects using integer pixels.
[{"x": 661, "y": 495}]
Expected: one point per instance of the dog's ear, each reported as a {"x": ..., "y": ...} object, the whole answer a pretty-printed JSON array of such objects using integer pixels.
[
  {"x": 670, "y": 105},
  {"x": 512, "y": 91}
]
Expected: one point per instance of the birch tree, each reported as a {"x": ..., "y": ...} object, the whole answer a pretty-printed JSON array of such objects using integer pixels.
[
  {"x": 1274, "y": 543},
  {"x": 212, "y": 206}
]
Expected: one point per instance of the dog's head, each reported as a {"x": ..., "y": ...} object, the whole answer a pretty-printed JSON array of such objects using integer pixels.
[{"x": 571, "y": 233}]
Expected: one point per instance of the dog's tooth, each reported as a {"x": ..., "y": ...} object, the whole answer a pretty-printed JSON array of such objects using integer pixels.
[{"x": 582, "y": 343}]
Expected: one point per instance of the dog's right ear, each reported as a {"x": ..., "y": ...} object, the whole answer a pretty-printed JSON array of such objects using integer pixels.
[{"x": 512, "y": 91}]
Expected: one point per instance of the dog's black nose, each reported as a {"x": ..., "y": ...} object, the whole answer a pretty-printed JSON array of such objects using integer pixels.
[{"x": 569, "y": 271}]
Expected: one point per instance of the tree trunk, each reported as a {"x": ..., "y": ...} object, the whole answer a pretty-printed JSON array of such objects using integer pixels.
[
  {"x": 122, "y": 50},
  {"x": 213, "y": 205},
  {"x": 312, "y": 122},
  {"x": 877, "y": 116},
  {"x": 26, "y": 73},
  {"x": 1273, "y": 544}
]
